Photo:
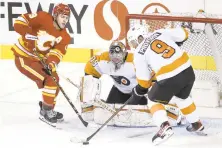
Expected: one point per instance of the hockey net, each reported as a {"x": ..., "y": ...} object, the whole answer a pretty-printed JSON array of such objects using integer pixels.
[{"x": 204, "y": 48}]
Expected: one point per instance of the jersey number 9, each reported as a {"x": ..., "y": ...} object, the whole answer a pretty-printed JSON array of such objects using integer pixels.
[{"x": 161, "y": 47}]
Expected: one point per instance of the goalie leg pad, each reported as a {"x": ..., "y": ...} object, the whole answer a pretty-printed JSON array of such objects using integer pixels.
[{"x": 91, "y": 88}]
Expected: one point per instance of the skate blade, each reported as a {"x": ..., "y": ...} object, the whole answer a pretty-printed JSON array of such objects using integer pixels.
[
  {"x": 49, "y": 123},
  {"x": 201, "y": 133},
  {"x": 159, "y": 140}
]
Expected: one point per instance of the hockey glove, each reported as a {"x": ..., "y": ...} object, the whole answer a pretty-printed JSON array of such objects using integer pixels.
[
  {"x": 137, "y": 93},
  {"x": 51, "y": 68}
]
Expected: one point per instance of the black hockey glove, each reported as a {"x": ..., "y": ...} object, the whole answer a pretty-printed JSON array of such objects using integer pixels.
[
  {"x": 137, "y": 93},
  {"x": 50, "y": 69}
]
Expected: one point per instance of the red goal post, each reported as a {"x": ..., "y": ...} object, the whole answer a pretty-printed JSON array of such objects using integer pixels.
[{"x": 204, "y": 48}]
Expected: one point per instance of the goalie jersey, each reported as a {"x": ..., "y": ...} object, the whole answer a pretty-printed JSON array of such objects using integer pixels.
[
  {"x": 160, "y": 52},
  {"x": 124, "y": 78}
]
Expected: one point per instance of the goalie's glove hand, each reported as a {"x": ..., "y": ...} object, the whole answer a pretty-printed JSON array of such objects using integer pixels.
[
  {"x": 137, "y": 93},
  {"x": 51, "y": 68}
]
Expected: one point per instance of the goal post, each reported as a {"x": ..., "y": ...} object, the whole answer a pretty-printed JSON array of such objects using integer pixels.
[{"x": 203, "y": 47}]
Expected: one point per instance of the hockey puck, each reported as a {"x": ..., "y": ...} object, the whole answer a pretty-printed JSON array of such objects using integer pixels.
[{"x": 85, "y": 143}]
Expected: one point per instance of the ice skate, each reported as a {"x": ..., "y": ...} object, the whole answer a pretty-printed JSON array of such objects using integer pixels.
[
  {"x": 163, "y": 134},
  {"x": 59, "y": 115},
  {"x": 48, "y": 116},
  {"x": 196, "y": 127}
]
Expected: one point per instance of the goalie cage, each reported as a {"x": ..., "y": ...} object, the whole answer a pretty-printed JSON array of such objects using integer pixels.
[{"x": 204, "y": 49}]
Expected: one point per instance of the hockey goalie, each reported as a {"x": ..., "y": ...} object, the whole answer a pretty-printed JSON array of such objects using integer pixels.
[{"x": 117, "y": 62}]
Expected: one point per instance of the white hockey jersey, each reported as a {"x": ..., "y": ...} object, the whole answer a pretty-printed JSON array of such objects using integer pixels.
[
  {"x": 159, "y": 53},
  {"x": 124, "y": 78}
]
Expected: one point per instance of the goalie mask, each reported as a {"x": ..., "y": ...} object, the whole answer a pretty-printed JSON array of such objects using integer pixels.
[{"x": 117, "y": 53}]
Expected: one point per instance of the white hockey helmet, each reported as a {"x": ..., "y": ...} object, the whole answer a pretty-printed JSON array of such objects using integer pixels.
[{"x": 136, "y": 31}]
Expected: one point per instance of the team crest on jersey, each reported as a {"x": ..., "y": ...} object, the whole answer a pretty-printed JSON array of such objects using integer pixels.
[
  {"x": 121, "y": 80},
  {"x": 46, "y": 41},
  {"x": 147, "y": 42}
]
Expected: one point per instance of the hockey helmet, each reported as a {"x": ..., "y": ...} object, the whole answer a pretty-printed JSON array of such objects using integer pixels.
[{"x": 117, "y": 53}]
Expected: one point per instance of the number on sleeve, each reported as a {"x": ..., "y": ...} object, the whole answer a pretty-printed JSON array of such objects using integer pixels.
[{"x": 93, "y": 61}]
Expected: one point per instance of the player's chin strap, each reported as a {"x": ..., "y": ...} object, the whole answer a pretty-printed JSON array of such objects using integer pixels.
[
  {"x": 57, "y": 24},
  {"x": 57, "y": 21}
]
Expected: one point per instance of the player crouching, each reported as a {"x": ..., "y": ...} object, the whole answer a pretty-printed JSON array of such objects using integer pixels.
[{"x": 118, "y": 64}]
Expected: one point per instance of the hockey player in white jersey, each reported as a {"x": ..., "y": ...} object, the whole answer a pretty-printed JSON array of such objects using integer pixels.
[
  {"x": 118, "y": 64},
  {"x": 159, "y": 52}
]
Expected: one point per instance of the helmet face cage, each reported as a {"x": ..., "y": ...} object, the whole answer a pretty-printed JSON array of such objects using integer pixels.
[{"x": 117, "y": 53}]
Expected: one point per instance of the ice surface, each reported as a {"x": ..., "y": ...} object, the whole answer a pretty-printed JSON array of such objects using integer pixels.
[{"x": 21, "y": 128}]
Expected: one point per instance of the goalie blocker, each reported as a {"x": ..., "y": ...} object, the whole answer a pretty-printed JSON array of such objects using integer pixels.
[{"x": 98, "y": 110}]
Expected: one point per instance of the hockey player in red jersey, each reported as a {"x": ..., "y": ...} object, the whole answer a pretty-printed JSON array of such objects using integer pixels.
[{"x": 47, "y": 35}]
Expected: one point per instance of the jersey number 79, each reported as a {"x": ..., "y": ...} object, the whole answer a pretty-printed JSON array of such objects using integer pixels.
[{"x": 161, "y": 47}]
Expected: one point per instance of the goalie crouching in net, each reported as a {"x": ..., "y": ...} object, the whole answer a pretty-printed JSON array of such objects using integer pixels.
[{"x": 118, "y": 64}]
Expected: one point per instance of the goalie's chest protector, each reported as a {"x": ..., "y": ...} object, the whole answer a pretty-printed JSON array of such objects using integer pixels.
[{"x": 124, "y": 78}]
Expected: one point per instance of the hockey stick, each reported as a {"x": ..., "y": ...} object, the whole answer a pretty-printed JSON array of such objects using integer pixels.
[
  {"x": 104, "y": 124},
  {"x": 99, "y": 102},
  {"x": 58, "y": 85}
]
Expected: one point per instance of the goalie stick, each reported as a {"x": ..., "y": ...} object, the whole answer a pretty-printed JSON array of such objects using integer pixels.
[{"x": 86, "y": 124}]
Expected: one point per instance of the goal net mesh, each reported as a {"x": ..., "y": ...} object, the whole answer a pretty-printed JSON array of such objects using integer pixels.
[{"x": 197, "y": 46}]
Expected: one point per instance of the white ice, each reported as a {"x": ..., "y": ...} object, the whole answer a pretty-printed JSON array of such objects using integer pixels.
[{"x": 21, "y": 128}]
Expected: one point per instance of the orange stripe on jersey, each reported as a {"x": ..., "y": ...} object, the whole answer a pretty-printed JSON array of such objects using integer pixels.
[
  {"x": 186, "y": 33},
  {"x": 20, "y": 52},
  {"x": 20, "y": 22},
  {"x": 89, "y": 69},
  {"x": 29, "y": 69},
  {"x": 56, "y": 55},
  {"x": 171, "y": 115},
  {"x": 103, "y": 57},
  {"x": 156, "y": 108},
  {"x": 51, "y": 87},
  {"x": 189, "y": 109},
  {"x": 144, "y": 83},
  {"x": 25, "y": 18},
  {"x": 22, "y": 43},
  {"x": 129, "y": 57},
  {"x": 171, "y": 67},
  {"x": 88, "y": 109},
  {"x": 48, "y": 94},
  {"x": 59, "y": 52}
]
